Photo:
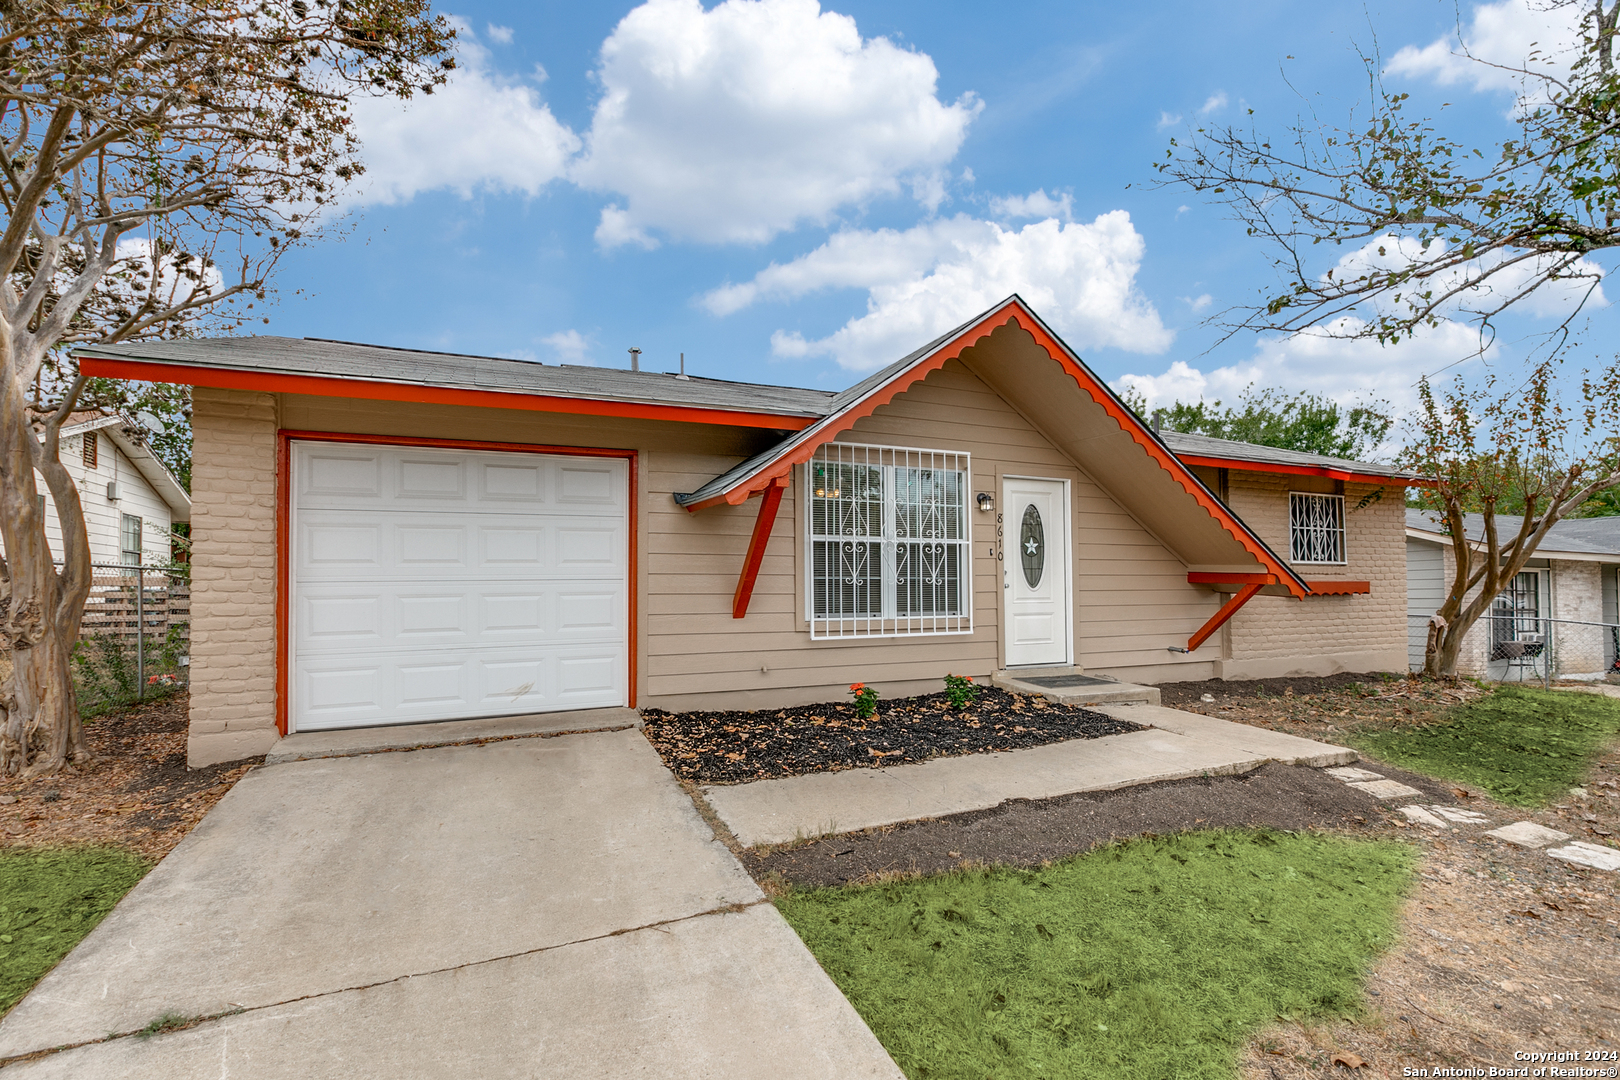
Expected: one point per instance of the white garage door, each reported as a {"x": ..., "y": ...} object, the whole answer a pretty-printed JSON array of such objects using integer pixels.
[{"x": 445, "y": 584}]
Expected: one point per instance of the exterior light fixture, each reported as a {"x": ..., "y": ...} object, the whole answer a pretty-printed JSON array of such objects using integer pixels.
[{"x": 986, "y": 502}]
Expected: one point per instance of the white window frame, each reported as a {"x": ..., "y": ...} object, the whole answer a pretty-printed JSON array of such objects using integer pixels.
[
  {"x": 888, "y": 621},
  {"x": 1335, "y": 532},
  {"x": 124, "y": 552}
]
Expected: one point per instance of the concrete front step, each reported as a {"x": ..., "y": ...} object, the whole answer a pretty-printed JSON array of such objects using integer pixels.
[{"x": 1072, "y": 686}]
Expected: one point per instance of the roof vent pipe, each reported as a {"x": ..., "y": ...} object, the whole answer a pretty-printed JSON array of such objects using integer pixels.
[
  {"x": 635, "y": 359},
  {"x": 1158, "y": 420},
  {"x": 683, "y": 374}
]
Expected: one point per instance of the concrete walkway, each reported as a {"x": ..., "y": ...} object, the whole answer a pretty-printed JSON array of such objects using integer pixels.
[
  {"x": 535, "y": 907},
  {"x": 1176, "y": 746}
]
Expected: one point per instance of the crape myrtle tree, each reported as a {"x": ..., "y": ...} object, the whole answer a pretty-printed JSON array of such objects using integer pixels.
[
  {"x": 156, "y": 160},
  {"x": 1440, "y": 230}
]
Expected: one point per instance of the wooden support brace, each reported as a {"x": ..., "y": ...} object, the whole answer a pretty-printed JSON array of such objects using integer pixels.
[
  {"x": 768, "y": 504},
  {"x": 1228, "y": 609}
]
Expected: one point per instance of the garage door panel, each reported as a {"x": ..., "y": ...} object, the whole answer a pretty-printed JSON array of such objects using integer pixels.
[
  {"x": 338, "y": 476},
  {"x": 436, "y": 585},
  {"x": 335, "y": 619},
  {"x": 437, "y": 478},
  {"x": 345, "y": 545},
  {"x": 507, "y": 482},
  {"x": 584, "y": 484}
]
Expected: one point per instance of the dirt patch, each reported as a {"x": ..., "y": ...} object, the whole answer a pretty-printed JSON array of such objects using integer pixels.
[
  {"x": 138, "y": 794},
  {"x": 730, "y": 747},
  {"x": 1027, "y": 833}
]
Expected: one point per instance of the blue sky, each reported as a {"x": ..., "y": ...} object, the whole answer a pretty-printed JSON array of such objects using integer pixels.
[{"x": 793, "y": 194}]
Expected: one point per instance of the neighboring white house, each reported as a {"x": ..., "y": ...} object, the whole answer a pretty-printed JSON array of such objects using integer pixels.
[
  {"x": 1561, "y": 608},
  {"x": 131, "y": 500}
]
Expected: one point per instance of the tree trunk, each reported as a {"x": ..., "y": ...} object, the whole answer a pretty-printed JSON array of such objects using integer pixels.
[{"x": 40, "y": 729}]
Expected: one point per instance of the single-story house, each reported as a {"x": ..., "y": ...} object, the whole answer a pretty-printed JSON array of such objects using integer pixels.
[
  {"x": 384, "y": 535},
  {"x": 131, "y": 500},
  {"x": 1560, "y": 610}
]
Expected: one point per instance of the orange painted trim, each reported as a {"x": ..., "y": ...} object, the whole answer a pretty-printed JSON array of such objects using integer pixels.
[
  {"x": 285, "y": 437},
  {"x": 1339, "y": 588},
  {"x": 768, "y": 504},
  {"x": 371, "y": 390},
  {"x": 1228, "y": 609},
  {"x": 1318, "y": 588},
  {"x": 1128, "y": 421},
  {"x": 283, "y": 576},
  {"x": 1298, "y": 470},
  {"x": 1200, "y": 577}
]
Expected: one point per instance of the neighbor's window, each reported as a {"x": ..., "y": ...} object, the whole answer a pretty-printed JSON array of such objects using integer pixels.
[
  {"x": 1315, "y": 528},
  {"x": 888, "y": 542},
  {"x": 89, "y": 449},
  {"x": 129, "y": 539}
]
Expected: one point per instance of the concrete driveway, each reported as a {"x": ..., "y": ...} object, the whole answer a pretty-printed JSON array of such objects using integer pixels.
[{"x": 537, "y": 907}]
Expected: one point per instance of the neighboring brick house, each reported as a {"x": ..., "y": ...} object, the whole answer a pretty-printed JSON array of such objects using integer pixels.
[
  {"x": 389, "y": 536},
  {"x": 1559, "y": 616}
]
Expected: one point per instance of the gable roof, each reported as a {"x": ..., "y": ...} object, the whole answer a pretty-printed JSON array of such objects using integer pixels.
[
  {"x": 1228, "y": 453},
  {"x": 128, "y": 436},
  {"x": 346, "y": 369},
  {"x": 1579, "y": 539},
  {"x": 1018, "y": 356}
]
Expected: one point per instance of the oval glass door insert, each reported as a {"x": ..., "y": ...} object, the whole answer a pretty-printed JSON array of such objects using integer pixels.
[{"x": 1032, "y": 545}]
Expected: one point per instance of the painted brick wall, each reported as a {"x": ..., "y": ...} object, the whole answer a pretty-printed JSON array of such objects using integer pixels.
[
  {"x": 233, "y": 591},
  {"x": 1363, "y": 632}
]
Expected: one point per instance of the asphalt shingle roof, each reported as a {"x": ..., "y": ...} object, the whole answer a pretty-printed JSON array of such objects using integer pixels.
[
  {"x": 377, "y": 363},
  {"x": 1183, "y": 444},
  {"x": 1588, "y": 536}
]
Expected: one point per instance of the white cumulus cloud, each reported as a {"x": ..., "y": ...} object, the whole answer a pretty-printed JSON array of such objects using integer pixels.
[
  {"x": 1037, "y": 204},
  {"x": 1322, "y": 360},
  {"x": 922, "y": 281},
  {"x": 480, "y": 132},
  {"x": 1213, "y": 103},
  {"x": 568, "y": 347},
  {"x": 743, "y": 121},
  {"x": 1503, "y": 35}
]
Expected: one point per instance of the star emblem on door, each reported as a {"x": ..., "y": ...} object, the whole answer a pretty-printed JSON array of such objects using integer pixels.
[{"x": 1031, "y": 546}]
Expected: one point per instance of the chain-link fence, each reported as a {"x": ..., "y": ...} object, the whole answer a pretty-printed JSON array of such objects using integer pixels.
[
  {"x": 135, "y": 641},
  {"x": 1521, "y": 647}
]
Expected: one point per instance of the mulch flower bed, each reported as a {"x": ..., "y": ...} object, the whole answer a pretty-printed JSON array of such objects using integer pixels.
[{"x": 721, "y": 747}]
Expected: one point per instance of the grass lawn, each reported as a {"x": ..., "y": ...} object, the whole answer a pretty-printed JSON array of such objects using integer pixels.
[
  {"x": 50, "y": 898},
  {"x": 1154, "y": 958},
  {"x": 1525, "y": 747}
]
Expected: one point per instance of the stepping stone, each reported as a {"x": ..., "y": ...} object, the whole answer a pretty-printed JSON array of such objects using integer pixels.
[
  {"x": 1386, "y": 789},
  {"x": 1348, "y": 774},
  {"x": 1467, "y": 817},
  {"x": 1527, "y": 834},
  {"x": 1592, "y": 855},
  {"x": 1417, "y": 815}
]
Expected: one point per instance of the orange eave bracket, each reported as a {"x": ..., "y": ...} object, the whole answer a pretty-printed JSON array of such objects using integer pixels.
[
  {"x": 769, "y": 502},
  {"x": 1318, "y": 588},
  {"x": 1228, "y": 609}
]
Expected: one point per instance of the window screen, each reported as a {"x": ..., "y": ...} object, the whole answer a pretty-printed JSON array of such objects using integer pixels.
[
  {"x": 888, "y": 542},
  {"x": 1315, "y": 528},
  {"x": 129, "y": 539}
]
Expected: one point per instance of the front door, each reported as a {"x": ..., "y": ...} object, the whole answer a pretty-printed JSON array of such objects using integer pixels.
[{"x": 1035, "y": 571}]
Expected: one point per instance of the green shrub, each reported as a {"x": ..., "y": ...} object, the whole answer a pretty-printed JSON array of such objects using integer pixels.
[{"x": 961, "y": 691}]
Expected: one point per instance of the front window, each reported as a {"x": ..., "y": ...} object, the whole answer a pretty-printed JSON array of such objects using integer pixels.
[
  {"x": 888, "y": 541},
  {"x": 1315, "y": 528},
  {"x": 129, "y": 540},
  {"x": 1516, "y": 626}
]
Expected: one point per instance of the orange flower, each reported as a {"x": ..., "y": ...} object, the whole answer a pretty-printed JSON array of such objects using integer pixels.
[{"x": 857, "y": 686}]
